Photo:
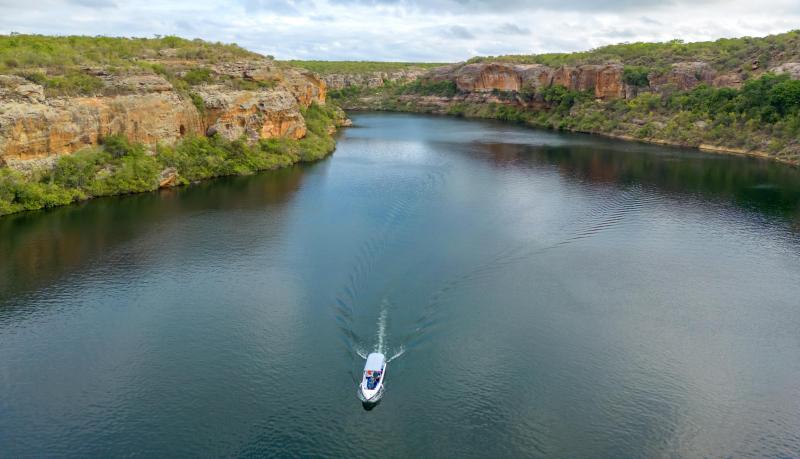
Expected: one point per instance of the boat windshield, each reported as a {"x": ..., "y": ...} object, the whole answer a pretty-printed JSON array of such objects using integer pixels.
[{"x": 373, "y": 378}]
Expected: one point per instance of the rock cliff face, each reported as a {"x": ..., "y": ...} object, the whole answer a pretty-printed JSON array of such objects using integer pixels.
[
  {"x": 38, "y": 130},
  {"x": 146, "y": 108},
  {"x": 605, "y": 81},
  {"x": 253, "y": 114}
]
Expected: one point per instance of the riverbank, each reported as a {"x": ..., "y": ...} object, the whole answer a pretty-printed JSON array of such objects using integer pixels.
[
  {"x": 586, "y": 116},
  {"x": 119, "y": 167}
]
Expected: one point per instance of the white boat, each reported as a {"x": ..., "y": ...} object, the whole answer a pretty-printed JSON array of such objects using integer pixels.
[{"x": 372, "y": 381}]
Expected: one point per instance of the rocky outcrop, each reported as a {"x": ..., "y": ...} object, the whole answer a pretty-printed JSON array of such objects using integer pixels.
[
  {"x": 604, "y": 81},
  {"x": 255, "y": 115},
  {"x": 609, "y": 83},
  {"x": 145, "y": 108},
  {"x": 488, "y": 77},
  {"x": 535, "y": 76},
  {"x": 683, "y": 76},
  {"x": 305, "y": 86},
  {"x": 18, "y": 89},
  {"x": 35, "y": 131}
]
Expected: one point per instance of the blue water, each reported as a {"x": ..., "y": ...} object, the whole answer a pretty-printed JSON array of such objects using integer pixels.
[{"x": 542, "y": 294}]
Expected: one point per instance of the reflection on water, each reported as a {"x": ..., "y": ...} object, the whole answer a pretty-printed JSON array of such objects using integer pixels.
[
  {"x": 38, "y": 247},
  {"x": 755, "y": 184},
  {"x": 539, "y": 294}
]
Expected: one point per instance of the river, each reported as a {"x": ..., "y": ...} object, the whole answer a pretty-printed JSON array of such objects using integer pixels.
[{"x": 539, "y": 293}]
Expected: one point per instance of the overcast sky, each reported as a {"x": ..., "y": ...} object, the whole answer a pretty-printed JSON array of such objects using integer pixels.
[{"x": 406, "y": 30}]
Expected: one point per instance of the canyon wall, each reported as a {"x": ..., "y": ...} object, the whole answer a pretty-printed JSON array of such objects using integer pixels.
[
  {"x": 146, "y": 108},
  {"x": 605, "y": 81}
]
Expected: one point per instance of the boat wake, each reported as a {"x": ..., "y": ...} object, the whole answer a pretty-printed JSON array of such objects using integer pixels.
[{"x": 381, "y": 336}]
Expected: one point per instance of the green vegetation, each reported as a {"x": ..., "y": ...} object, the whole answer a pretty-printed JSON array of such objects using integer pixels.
[
  {"x": 197, "y": 76},
  {"x": 74, "y": 65},
  {"x": 726, "y": 54},
  {"x": 350, "y": 95},
  {"x": 356, "y": 67},
  {"x": 71, "y": 83},
  {"x": 19, "y": 52},
  {"x": 118, "y": 167},
  {"x": 636, "y": 75},
  {"x": 424, "y": 88}
]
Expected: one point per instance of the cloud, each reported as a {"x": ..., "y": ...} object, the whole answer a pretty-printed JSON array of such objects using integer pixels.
[
  {"x": 513, "y": 29},
  {"x": 406, "y": 30},
  {"x": 93, "y": 3},
  {"x": 458, "y": 32}
]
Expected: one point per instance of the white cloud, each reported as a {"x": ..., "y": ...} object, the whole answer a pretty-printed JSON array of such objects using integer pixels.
[{"x": 409, "y": 30}]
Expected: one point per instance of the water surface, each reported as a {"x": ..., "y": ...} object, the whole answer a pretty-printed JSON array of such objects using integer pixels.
[{"x": 541, "y": 294}]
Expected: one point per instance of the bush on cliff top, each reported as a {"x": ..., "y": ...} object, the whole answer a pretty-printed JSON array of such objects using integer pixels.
[
  {"x": 725, "y": 54},
  {"x": 19, "y": 51}
]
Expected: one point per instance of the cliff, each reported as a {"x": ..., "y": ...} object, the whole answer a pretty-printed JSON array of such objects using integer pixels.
[
  {"x": 605, "y": 81},
  {"x": 82, "y": 117},
  {"x": 254, "y": 98}
]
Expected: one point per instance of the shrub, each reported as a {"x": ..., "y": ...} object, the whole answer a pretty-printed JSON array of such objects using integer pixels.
[
  {"x": 445, "y": 88},
  {"x": 636, "y": 76},
  {"x": 197, "y": 76}
]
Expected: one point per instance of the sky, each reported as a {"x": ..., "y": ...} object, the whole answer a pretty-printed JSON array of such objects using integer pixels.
[{"x": 406, "y": 30}]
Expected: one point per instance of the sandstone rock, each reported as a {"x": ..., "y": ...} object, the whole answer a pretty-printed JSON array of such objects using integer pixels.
[
  {"x": 683, "y": 76},
  {"x": 14, "y": 88},
  {"x": 609, "y": 83},
  {"x": 34, "y": 130},
  {"x": 254, "y": 70},
  {"x": 535, "y": 76},
  {"x": 581, "y": 78},
  {"x": 266, "y": 113},
  {"x": 137, "y": 83},
  {"x": 306, "y": 87},
  {"x": 168, "y": 178},
  {"x": 30, "y": 131},
  {"x": 488, "y": 77}
]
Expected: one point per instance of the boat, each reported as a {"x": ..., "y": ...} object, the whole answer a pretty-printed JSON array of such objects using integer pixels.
[{"x": 373, "y": 379}]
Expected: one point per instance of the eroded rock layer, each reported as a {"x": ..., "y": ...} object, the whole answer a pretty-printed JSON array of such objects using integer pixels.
[
  {"x": 147, "y": 109},
  {"x": 605, "y": 81}
]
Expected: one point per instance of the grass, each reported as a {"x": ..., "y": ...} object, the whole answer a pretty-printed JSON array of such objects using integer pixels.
[{"x": 118, "y": 167}]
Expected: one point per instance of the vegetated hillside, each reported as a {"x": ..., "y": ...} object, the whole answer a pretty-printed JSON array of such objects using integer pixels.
[
  {"x": 343, "y": 74},
  {"x": 725, "y": 54},
  {"x": 82, "y": 117},
  {"x": 352, "y": 67},
  {"x": 744, "y": 98},
  {"x": 77, "y": 65}
]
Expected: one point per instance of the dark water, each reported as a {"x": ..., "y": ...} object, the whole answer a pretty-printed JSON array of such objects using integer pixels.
[{"x": 543, "y": 295}]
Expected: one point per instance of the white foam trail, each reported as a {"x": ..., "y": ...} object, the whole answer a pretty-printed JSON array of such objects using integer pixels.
[
  {"x": 381, "y": 347},
  {"x": 397, "y": 354}
]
